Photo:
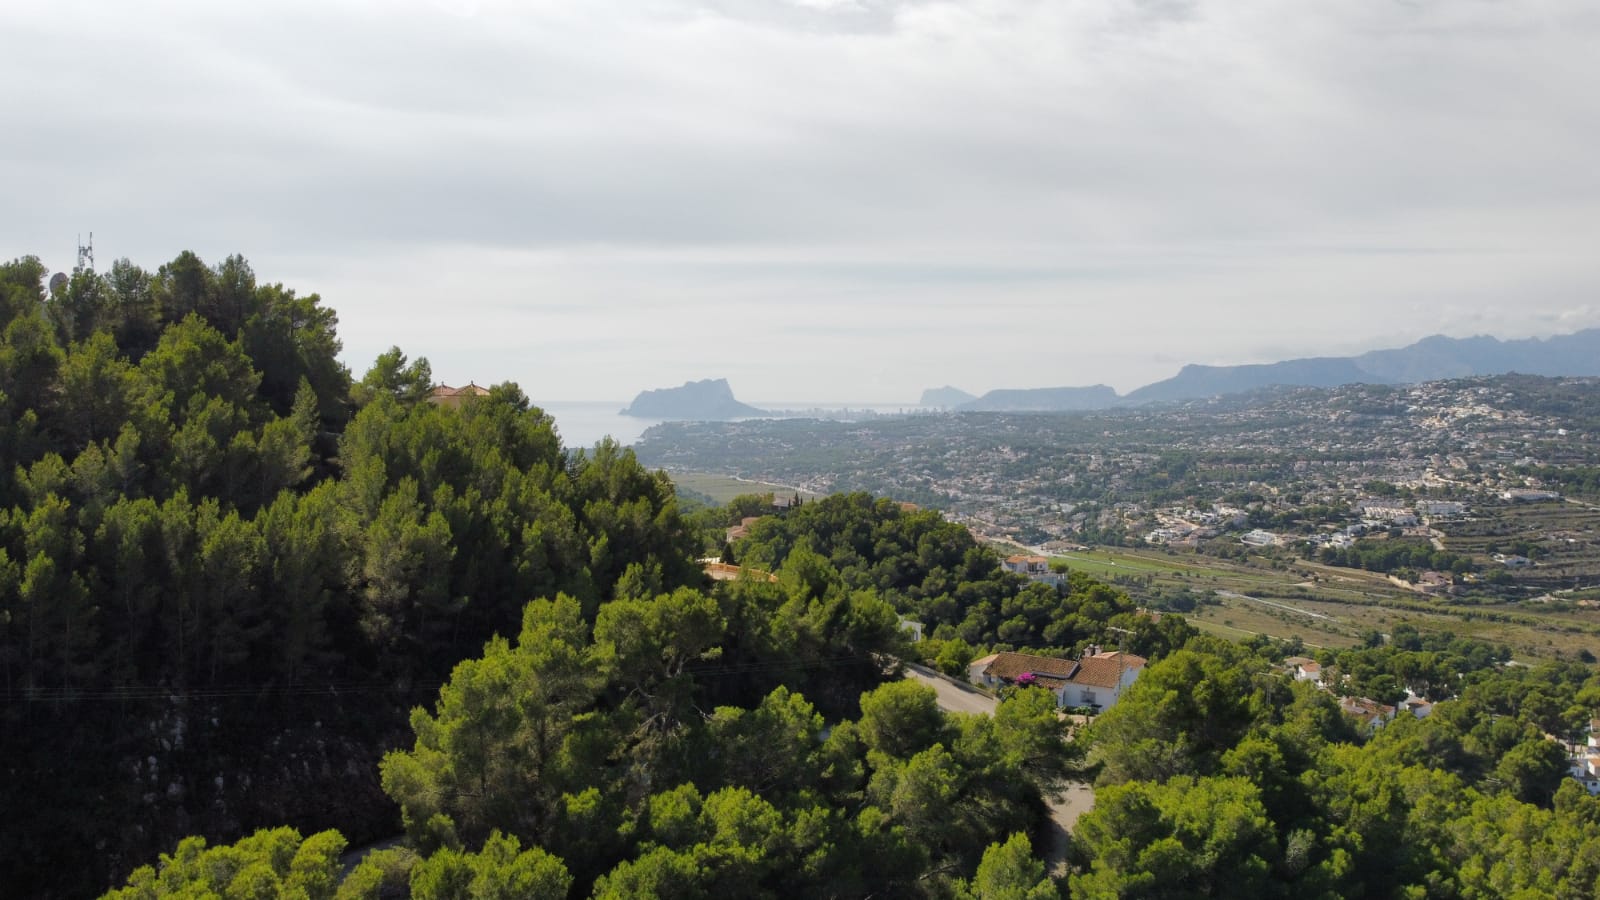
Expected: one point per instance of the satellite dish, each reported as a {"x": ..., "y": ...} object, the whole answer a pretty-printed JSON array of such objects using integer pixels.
[{"x": 58, "y": 282}]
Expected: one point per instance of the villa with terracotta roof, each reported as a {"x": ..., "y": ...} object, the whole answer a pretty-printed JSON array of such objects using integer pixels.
[
  {"x": 1304, "y": 668},
  {"x": 1095, "y": 680},
  {"x": 445, "y": 395},
  {"x": 1026, "y": 565},
  {"x": 1036, "y": 568}
]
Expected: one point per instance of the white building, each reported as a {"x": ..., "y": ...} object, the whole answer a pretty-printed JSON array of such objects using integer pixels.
[{"x": 1096, "y": 680}]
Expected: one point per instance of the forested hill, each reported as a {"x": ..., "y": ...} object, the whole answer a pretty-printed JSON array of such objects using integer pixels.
[{"x": 227, "y": 570}]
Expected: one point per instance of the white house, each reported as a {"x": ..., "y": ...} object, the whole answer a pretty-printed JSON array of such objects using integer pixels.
[
  {"x": 1036, "y": 568},
  {"x": 1418, "y": 707},
  {"x": 1258, "y": 538},
  {"x": 1096, "y": 680},
  {"x": 1441, "y": 509},
  {"x": 1369, "y": 713},
  {"x": 1026, "y": 565},
  {"x": 1304, "y": 668},
  {"x": 1525, "y": 495}
]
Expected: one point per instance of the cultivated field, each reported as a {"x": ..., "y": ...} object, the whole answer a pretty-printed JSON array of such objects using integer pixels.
[
  {"x": 1333, "y": 607},
  {"x": 722, "y": 488}
]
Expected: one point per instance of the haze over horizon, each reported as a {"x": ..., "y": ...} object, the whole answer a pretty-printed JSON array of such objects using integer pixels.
[{"x": 848, "y": 200}]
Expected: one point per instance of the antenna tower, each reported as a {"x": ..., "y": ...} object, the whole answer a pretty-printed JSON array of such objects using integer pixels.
[{"x": 86, "y": 253}]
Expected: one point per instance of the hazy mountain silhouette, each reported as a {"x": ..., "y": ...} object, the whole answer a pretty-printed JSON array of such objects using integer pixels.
[
  {"x": 706, "y": 401},
  {"x": 946, "y": 397},
  {"x": 1054, "y": 399},
  {"x": 1430, "y": 359}
]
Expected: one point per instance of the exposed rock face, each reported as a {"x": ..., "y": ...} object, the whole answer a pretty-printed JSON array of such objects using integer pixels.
[{"x": 710, "y": 400}]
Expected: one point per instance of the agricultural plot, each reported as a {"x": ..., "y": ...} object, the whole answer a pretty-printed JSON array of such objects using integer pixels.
[
  {"x": 1326, "y": 606},
  {"x": 722, "y": 488},
  {"x": 1563, "y": 540}
]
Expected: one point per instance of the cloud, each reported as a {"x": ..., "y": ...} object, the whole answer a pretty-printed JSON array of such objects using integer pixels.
[{"x": 1241, "y": 175}]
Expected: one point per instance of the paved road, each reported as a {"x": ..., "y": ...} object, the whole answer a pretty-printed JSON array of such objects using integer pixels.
[
  {"x": 953, "y": 697},
  {"x": 1075, "y": 800}
]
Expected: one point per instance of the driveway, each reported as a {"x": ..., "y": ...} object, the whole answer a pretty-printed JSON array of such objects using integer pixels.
[
  {"x": 1076, "y": 797},
  {"x": 953, "y": 697}
]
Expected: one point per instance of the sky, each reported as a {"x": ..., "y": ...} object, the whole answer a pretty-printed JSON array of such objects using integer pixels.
[{"x": 829, "y": 200}]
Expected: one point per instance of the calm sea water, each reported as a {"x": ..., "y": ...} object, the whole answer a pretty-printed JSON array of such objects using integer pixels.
[{"x": 584, "y": 423}]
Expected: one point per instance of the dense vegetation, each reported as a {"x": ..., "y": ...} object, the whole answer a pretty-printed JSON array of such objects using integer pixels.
[
  {"x": 1397, "y": 556},
  {"x": 669, "y": 745},
  {"x": 212, "y": 542},
  {"x": 933, "y": 571},
  {"x": 1221, "y": 778}
]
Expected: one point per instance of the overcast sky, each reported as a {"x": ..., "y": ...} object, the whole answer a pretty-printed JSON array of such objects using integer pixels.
[{"x": 830, "y": 200}]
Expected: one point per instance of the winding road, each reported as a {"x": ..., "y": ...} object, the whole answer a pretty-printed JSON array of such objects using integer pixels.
[{"x": 1075, "y": 800}]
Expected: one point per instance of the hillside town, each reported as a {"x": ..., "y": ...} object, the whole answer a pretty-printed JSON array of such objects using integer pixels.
[{"x": 1494, "y": 477}]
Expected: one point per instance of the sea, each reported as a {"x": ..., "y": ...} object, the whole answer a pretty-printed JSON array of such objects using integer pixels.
[{"x": 584, "y": 423}]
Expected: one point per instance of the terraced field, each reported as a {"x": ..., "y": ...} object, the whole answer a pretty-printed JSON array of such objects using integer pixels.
[{"x": 1565, "y": 538}]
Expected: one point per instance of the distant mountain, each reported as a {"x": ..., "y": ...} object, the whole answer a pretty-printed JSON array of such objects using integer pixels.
[
  {"x": 1438, "y": 357},
  {"x": 710, "y": 400},
  {"x": 946, "y": 397},
  {"x": 1430, "y": 359},
  {"x": 1195, "y": 381},
  {"x": 1058, "y": 399}
]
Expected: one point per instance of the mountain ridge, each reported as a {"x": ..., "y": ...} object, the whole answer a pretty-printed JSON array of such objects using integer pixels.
[{"x": 1430, "y": 359}]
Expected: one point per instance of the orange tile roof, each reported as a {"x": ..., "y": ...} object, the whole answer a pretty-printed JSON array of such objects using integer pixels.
[
  {"x": 446, "y": 395},
  {"x": 1011, "y": 665},
  {"x": 1095, "y": 671},
  {"x": 1100, "y": 671},
  {"x": 1129, "y": 660}
]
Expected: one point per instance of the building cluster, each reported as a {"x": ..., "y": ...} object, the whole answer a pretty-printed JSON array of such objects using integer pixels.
[
  {"x": 1284, "y": 468},
  {"x": 1370, "y": 713}
]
